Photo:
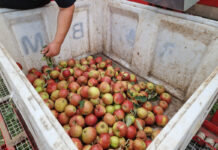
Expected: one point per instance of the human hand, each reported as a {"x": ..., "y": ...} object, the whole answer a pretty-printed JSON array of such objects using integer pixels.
[{"x": 52, "y": 49}]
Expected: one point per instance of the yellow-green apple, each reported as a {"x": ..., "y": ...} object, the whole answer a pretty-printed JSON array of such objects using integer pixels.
[
  {"x": 142, "y": 113},
  {"x": 107, "y": 98},
  {"x": 101, "y": 127}
]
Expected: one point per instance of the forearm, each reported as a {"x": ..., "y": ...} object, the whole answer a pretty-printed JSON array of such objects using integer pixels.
[{"x": 63, "y": 23}]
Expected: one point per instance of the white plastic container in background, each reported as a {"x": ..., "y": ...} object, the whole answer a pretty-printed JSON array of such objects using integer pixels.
[{"x": 177, "y": 50}]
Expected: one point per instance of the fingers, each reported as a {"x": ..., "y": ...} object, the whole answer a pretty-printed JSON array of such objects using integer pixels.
[
  {"x": 45, "y": 50},
  {"x": 49, "y": 54}
]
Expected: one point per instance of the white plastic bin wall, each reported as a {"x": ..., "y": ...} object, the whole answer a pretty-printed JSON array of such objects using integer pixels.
[{"x": 173, "y": 49}]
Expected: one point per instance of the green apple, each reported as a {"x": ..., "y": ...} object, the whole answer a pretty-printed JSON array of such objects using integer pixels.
[
  {"x": 114, "y": 141},
  {"x": 110, "y": 109},
  {"x": 117, "y": 106}
]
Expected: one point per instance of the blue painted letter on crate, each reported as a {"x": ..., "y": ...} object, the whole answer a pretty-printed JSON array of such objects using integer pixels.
[
  {"x": 78, "y": 32},
  {"x": 29, "y": 46}
]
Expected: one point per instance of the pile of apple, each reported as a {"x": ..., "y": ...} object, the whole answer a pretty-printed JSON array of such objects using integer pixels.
[{"x": 100, "y": 106}]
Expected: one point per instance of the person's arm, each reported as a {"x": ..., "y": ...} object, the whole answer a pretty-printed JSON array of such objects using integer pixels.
[{"x": 63, "y": 24}]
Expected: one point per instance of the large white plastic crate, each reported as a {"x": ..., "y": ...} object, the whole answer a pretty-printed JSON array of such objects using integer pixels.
[{"x": 177, "y": 50}]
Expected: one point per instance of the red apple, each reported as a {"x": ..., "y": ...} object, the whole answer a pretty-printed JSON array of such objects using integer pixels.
[
  {"x": 77, "y": 73},
  {"x": 104, "y": 140},
  {"x": 161, "y": 120},
  {"x": 163, "y": 104},
  {"x": 105, "y": 87},
  {"x": 66, "y": 73},
  {"x": 158, "y": 110},
  {"x": 71, "y": 62},
  {"x": 19, "y": 65},
  {"x": 131, "y": 132},
  {"x": 63, "y": 118},
  {"x": 141, "y": 135},
  {"x": 109, "y": 119},
  {"x": 82, "y": 80},
  {"x": 70, "y": 79},
  {"x": 51, "y": 88},
  {"x": 119, "y": 114},
  {"x": 50, "y": 81},
  {"x": 139, "y": 144},
  {"x": 91, "y": 120},
  {"x": 73, "y": 86},
  {"x": 78, "y": 143},
  {"x": 150, "y": 120},
  {"x": 94, "y": 74},
  {"x": 166, "y": 97},
  {"x": 77, "y": 119},
  {"x": 98, "y": 59},
  {"x": 126, "y": 76},
  {"x": 61, "y": 77},
  {"x": 31, "y": 77},
  {"x": 118, "y": 98},
  {"x": 99, "y": 110},
  {"x": 127, "y": 106},
  {"x": 74, "y": 99},
  {"x": 63, "y": 93},
  {"x": 96, "y": 147},
  {"x": 75, "y": 131},
  {"x": 120, "y": 129},
  {"x": 148, "y": 142},
  {"x": 87, "y": 108},
  {"x": 57, "y": 68},
  {"x": 110, "y": 72},
  {"x": 117, "y": 87},
  {"x": 92, "y": 82},
  {"x": 148, "y": 106},
  {"x": 70, "y": 110},
  {"x": 89, "y": 135},
  {"x": 106, "y": 79},
  {"x": 150, "y": 86}
]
